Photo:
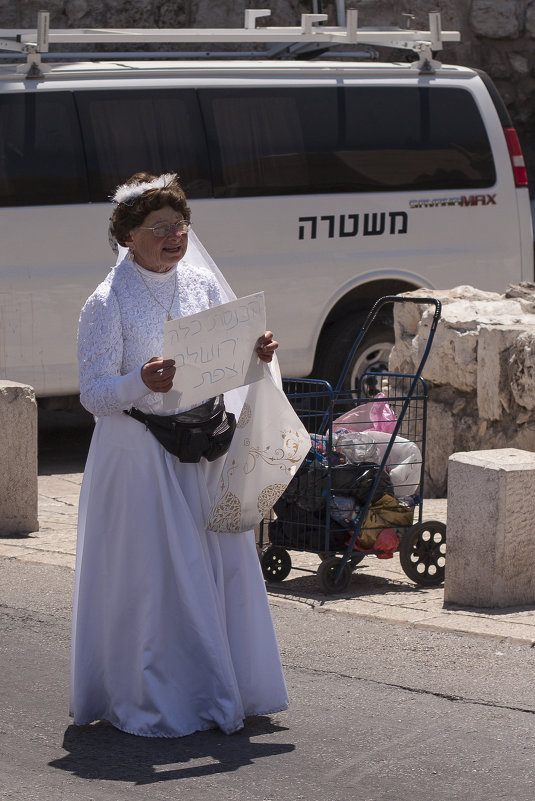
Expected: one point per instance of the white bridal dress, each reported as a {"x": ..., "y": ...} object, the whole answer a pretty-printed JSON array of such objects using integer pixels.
[{"x": 172, "y": 631}]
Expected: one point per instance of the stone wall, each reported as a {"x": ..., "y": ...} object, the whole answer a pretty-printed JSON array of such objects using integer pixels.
[
  {"x": 145, "y": 13},
  {"x": 497, "y": 35},
  {"x": 480, "y": 371}
]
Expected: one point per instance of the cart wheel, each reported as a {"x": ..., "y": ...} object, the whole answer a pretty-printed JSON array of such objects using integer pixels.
[
  {"x": 354, "y": 560},
  {"x": 422, "y": 553},
  {"x": 327, "y": 574},
  {"x": 276, "y": 563}
]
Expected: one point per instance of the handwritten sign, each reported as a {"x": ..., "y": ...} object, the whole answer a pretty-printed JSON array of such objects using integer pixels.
[{"x": 214, "y": 350}]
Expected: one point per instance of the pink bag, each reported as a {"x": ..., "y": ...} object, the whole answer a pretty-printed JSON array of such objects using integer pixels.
[
  {"x": 375, "y": 415},
  {"x": 382, "y": 416}
]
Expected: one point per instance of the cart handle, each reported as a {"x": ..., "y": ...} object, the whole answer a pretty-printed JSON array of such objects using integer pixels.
[{"x": 377, "y": 306}]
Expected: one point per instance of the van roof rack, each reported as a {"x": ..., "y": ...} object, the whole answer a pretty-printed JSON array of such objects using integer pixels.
[{"x": 35, "y": 42}]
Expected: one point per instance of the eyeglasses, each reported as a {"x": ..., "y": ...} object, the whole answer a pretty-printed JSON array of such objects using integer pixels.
[{"x": 164, "y": 229}]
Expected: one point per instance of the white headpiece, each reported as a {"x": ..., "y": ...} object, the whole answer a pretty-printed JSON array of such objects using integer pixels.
[
  {"x": 195, "y": 255},
  {"x": 126, "y": 193}
]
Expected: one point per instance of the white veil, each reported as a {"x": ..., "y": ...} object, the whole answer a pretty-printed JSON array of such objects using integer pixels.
[{"x": 196, "y": 256}]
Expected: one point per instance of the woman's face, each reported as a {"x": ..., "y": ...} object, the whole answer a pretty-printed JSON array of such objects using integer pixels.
[{"x": 154, "y": 253}]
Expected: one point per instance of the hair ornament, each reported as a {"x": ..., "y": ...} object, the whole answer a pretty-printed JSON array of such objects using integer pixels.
[{"x": 127, "y": 193}]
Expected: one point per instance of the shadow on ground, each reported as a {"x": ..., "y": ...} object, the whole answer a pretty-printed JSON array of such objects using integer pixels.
[
  {"x": 307, "y": 586},
  {"x": 100, "y": 751},
  {"x": 63, "y": 440}
]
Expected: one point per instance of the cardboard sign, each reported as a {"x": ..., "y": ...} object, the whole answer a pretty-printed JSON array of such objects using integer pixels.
[{"x": 214, "y": 350}]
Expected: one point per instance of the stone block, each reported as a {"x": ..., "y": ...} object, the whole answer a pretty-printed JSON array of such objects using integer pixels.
[
  {"x": 18, "y": 454},
  {"x": 522, "y": 369},
  {"x": 491, "y": 544},
  {"x": 453, "y": 357},
  {"x": 438, "y": 449},
  {"x": 494, "y": 366}
]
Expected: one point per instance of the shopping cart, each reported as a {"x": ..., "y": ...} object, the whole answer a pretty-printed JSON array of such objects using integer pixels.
[{"x": 359, "y": 492}]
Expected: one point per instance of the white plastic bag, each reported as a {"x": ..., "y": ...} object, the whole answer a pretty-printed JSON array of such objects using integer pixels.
[
  {"x": 357, "y": 446},
  {"x": 269, "y": 444},
  {"x": 404, "y": 461}
]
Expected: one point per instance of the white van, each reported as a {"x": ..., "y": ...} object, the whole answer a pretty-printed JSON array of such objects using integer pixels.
[{"x": 325, "y": 183}]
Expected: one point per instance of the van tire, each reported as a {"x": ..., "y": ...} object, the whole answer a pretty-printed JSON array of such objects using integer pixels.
[{"x": 336, "y": 344}]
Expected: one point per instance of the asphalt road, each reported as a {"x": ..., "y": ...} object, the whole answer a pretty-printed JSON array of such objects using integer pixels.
[{"x": 380, "y": 712}]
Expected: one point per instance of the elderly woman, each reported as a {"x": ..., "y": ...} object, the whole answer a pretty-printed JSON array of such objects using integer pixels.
[{"x": 172, "y": 631}]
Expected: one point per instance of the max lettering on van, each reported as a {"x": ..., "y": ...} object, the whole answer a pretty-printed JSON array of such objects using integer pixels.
[
  {"x": 461, "y": 200},
  {"x": 342, "y": 225}
]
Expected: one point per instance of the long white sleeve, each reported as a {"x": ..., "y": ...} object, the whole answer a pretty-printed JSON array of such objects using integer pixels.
[
  {"x": 121, "y": 328},
  {"x": 103, "y": 390}
]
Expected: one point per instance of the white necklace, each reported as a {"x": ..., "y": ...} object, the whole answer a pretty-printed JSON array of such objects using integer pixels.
[{"x": 166, "y": 310}]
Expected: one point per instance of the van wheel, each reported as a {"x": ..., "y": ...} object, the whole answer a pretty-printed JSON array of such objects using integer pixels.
[{"x": 372, "y": 354}]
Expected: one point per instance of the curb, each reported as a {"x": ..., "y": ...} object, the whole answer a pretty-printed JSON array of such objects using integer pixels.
[
  {"x": 380, "y": 590},
  {"x": 458, "y": 624}
]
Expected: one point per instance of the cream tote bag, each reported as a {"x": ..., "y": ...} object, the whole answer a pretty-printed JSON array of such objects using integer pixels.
[{"x": 268, "y": 445}]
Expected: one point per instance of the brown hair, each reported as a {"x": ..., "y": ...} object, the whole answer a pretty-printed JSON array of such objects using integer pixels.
[{"x": 127, "y": 216}]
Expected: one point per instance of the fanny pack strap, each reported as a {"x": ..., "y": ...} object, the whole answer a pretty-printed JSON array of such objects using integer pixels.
[{"x": 137, "y": 415}]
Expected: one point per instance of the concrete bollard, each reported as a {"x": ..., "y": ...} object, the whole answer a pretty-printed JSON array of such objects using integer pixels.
[
  {"x": 18, "y": 459},
  {"x": 491, "y": 529}
]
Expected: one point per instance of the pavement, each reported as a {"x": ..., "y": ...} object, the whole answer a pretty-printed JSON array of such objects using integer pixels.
[{"x": 379, "y": 589}]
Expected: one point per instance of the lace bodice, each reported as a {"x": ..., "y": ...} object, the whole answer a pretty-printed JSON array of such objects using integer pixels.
[{"x": 121, "y": 328}]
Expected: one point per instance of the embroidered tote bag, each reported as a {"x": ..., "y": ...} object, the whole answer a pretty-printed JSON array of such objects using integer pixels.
[{"x": 268, "y": 445}]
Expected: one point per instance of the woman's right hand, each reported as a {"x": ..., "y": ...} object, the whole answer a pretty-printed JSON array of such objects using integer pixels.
[{"x": 157, "y": 374}]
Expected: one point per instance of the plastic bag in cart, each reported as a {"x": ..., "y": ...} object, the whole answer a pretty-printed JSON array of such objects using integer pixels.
[
  {"x": 320, "y": 451},
  {"x": 387, "y": 512},
  {"x": 376, "y": 415},
  {"x": 344, "y": 509},
  {"x": 404, "y": 461},
  {"x": 309, "y": 488},
  {"x": 385, "y": 545},
  {"x": 358, "y": 446}
]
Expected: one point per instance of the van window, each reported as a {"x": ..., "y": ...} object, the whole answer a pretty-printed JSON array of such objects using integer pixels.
[
  {"x": 409, "y": 138},
  {"x": 274, "y": 141},
  {"x": 261, "y": 141},
  {"x": 151, "y": 130},
  {"x": 41, "y": 157},
  {"x": 315, "y": 140}
]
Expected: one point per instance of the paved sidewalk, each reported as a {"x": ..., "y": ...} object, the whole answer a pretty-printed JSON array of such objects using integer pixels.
[{"x": 379, "y": 589}]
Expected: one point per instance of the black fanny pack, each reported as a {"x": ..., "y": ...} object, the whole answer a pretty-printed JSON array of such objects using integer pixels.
[{"x": 204, "y": 431}]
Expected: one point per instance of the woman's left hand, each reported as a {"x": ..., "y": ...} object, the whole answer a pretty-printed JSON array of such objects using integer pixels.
[{"x": 266, "y": 346}]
